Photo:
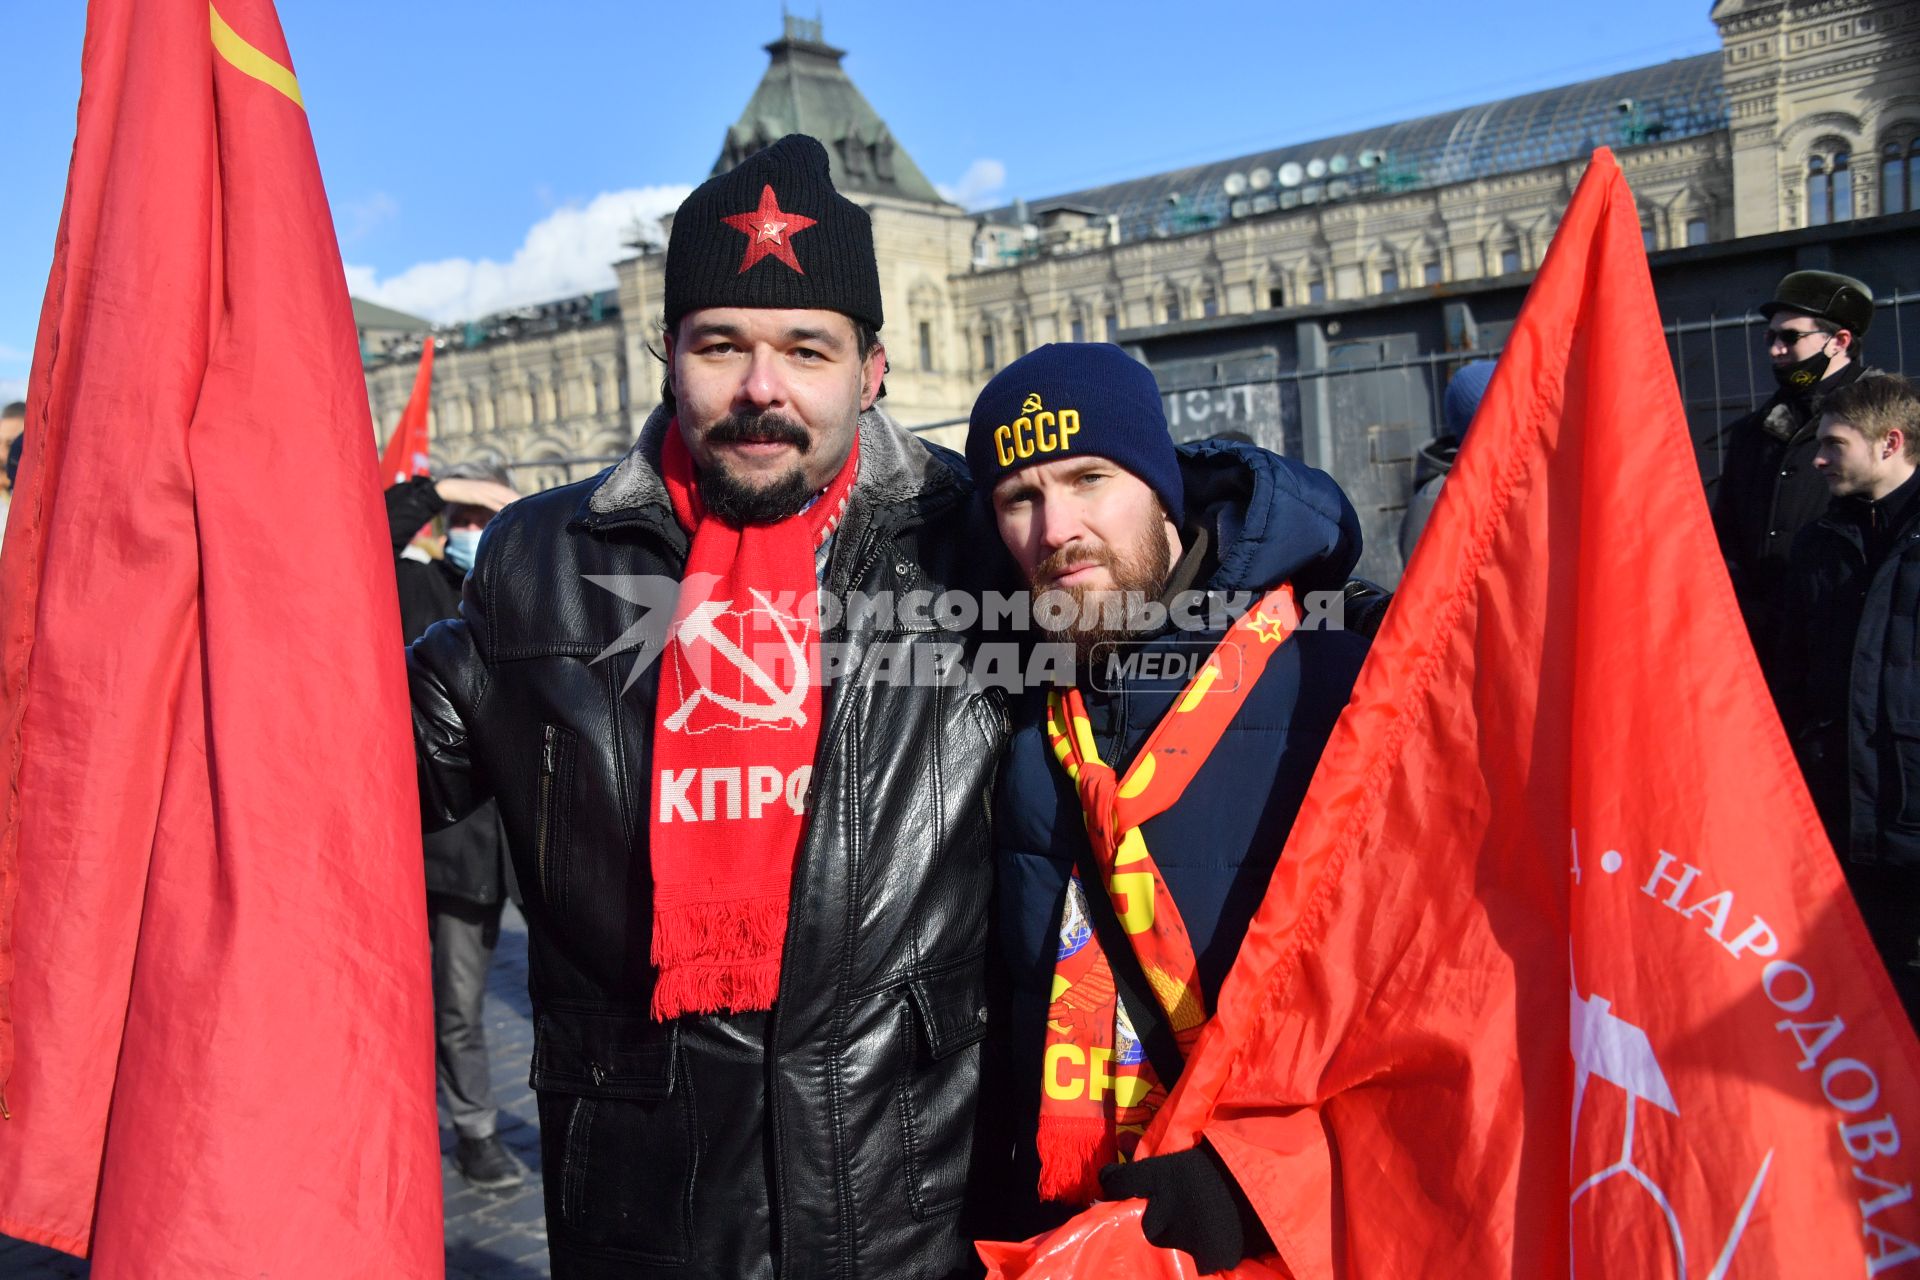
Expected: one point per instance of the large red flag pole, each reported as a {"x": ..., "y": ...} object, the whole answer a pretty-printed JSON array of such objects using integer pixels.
[
  {"x": 1558, "y": 973},
  {"x": 216, "y": 1038}
]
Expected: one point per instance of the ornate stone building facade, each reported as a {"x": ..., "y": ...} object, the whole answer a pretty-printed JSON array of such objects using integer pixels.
[{"x": 1810, "y": 113}]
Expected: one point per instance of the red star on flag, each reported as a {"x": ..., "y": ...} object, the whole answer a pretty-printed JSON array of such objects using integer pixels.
[{"x": 769, "y": 230}]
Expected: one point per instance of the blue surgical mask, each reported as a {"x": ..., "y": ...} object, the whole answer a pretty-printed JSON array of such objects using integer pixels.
[{"x": 461, "y": 544}]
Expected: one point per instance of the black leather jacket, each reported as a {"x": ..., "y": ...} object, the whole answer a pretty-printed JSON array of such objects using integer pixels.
[{"x": 830, "y": 1136}]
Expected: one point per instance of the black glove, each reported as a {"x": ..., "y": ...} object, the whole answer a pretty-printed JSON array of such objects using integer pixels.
[{"x": 1193, "y": 1204}]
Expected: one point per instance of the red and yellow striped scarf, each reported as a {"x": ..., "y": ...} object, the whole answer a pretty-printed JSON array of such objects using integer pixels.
[{"x": 1098, "y": 1091}]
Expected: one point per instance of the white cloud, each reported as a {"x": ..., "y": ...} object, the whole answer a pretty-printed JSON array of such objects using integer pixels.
[
  {"x": 572, "y": 250},
  {"x": 978, "y": 186}
]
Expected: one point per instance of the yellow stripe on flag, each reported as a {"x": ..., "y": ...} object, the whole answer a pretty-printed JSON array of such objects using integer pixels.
[{"x": 229, "y": 44}]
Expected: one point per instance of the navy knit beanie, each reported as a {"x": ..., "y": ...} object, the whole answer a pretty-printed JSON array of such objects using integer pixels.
[
  {"x": 1074, "y": 400},
  {"x": 772, "y": 232},
  {"x": 1464, "y": 393}
]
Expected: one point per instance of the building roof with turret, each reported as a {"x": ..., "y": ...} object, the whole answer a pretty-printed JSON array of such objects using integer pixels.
[{"x": 806, "y": 90}]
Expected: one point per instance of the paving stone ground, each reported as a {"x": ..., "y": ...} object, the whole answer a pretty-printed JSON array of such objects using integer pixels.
[{"x": 489, "y": 1237}]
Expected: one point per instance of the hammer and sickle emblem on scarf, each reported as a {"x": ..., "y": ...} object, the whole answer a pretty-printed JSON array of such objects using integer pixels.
[{"x": 781, "y": 703}]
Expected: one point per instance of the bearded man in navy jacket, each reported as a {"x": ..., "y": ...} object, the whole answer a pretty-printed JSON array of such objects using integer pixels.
[{"x": 1169, "y": 558}]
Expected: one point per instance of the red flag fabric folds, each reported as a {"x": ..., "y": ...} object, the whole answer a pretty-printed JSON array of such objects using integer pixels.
[
  {"x": 406, "y": 453},
  {"x": 1558, "y": 974},
  {"x": 218, "y": 1047}
]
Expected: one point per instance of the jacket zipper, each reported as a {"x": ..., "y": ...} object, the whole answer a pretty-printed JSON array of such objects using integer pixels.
[
  {"x": 869, "y": 556},
  {"x": 544, "y": 818}
]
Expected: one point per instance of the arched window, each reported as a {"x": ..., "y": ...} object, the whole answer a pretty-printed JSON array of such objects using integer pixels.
[
  {"x": 1209, "y": 302},
  {"x": 1389, "y": 279},
  {"x": 1900, "y": 175},
  {"x": 1172, "y": 305},
  {"x": 1829, "y": 187},
  {"x": 1316, "y": 287}
]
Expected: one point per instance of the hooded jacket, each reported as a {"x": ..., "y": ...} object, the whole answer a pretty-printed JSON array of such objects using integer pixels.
[
  {"x": 1431, "y": 466},
  {"x": 829, "y": 1136},
  {"x": 1255, "y": 520}
]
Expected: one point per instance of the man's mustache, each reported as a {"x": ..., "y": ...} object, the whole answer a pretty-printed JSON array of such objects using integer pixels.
[
  {"x": 759, "y": 428},
  {"x": 1068, "y": 559}
]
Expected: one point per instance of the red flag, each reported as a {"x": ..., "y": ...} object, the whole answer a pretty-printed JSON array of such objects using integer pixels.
[
  {"x": 1558, "y": 972},
  {"x": 218, "y": 1047},
  {"x": 406, "y": 452}
]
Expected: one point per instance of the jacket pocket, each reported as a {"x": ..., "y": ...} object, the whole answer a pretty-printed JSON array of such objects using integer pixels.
[
  {"x": 553, "y": 814},
  {"x": 1904, "y": 742},
  {"x": 943, "y": 1023},
  {"x": 617, "y": 1135}
]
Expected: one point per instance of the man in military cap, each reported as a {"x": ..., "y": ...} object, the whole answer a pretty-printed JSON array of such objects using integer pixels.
[
  {"x": 756, "y": 882},
  {"x": 1768, "y": 490}
]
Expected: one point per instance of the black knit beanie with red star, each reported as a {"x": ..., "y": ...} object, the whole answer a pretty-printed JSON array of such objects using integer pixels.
[{"x": 772, "y": 232}]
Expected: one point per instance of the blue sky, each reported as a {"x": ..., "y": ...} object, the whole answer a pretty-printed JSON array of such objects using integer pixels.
[{"x": 490, "y": 152}]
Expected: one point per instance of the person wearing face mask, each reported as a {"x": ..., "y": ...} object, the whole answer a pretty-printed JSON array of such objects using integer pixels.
[
  {"x": 469, "y": 876},
  {"x": 1768, "y": 489}
]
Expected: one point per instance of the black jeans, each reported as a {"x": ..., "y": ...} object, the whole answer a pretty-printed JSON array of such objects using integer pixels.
[{"x": 463, "y": 935}]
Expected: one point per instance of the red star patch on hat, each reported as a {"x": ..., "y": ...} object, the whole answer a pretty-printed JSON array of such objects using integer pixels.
[{"x": 769, "y": 231}]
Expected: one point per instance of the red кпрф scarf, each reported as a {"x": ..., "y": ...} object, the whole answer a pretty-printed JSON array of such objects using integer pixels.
[{"x": 736, "y": 725}]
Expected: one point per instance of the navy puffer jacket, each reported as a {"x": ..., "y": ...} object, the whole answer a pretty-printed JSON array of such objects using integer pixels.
[{"x": 1267, "y": 520}]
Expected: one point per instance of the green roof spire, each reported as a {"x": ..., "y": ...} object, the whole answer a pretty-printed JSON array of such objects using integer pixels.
[{"x": 805, "y": 90}]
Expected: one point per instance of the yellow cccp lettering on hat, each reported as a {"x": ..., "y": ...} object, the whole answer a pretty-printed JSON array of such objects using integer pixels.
[{"x": 1035, "y": 432}]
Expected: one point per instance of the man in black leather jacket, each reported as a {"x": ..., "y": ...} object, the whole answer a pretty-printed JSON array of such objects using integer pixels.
[{"x": 827, "y": 1132}]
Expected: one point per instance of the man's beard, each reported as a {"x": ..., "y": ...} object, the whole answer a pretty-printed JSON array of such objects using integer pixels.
[
  {"x": 1138, "y": 574},
  {"x": 737, "y": 502}
]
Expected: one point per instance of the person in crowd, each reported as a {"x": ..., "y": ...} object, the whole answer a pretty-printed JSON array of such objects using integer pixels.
[
  {"x": 1137, "y": 824},
  {"x": 1464, "y": 392},
  {"x": 1850, "y": 675},
  {"x": 469, "y": 876},
  {"x": 756, "y": 885},
  {"x": 1768, "y": 490}
]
